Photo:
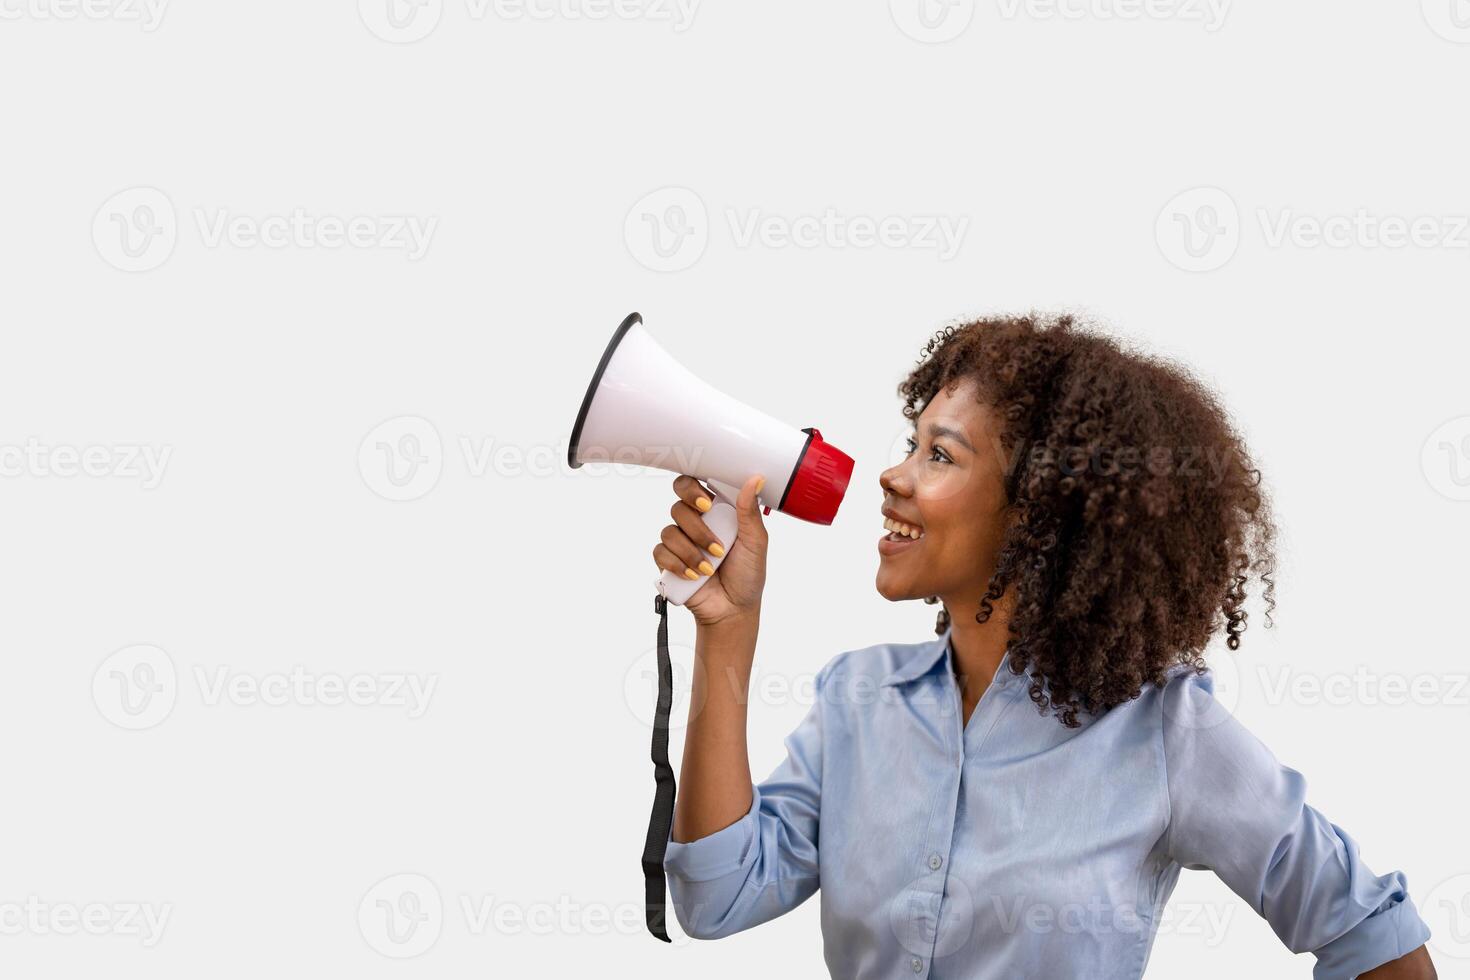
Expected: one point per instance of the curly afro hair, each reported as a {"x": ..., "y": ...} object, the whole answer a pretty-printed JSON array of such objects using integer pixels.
[{"x": 1139, "y": 516}]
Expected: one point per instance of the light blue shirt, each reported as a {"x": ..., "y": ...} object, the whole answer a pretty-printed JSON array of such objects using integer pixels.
[{"x": 1017, "y": 847}]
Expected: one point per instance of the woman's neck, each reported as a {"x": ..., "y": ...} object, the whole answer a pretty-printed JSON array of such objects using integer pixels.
[{"x": 978, "y": 647}]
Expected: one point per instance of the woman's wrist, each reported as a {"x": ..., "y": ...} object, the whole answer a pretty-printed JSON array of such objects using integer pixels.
[
  {"x": 730, "y": 637},
  {"x": 734, "y": 623}
]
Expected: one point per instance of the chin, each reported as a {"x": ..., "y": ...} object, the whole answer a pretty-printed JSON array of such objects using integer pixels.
[{"x": 891, "y": 590}]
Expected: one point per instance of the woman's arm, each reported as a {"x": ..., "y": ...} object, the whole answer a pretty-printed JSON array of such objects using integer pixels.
[
  {"x": 1237, "y": 811},
  {"x": 764, "y": 862},
  {"x": 739, "y": 854},
  {"x": 714, "y": 778},
  {"x": 1415, "y": 966}
]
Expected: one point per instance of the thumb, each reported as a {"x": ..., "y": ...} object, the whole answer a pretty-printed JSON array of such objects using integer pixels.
[{"x": 748, "y": 508}]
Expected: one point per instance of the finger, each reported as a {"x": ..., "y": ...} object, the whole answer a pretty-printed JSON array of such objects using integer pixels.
[
  {"x": 693, "y": 493},
  {"x": 696, "y": 530},
  {"x": 669, "y": 562},
  {"x": 683, "y": 551},
  {"x": 748, "y": 508}
]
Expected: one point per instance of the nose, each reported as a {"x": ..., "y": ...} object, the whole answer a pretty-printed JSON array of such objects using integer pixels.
[{"x": 895, "y": 480}]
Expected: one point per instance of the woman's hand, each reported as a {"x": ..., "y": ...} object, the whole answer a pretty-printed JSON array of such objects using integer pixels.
[{"x": 735, "y": 589}]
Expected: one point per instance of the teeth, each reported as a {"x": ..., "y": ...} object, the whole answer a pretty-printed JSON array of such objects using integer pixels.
[{"x": 898, "y": 527}]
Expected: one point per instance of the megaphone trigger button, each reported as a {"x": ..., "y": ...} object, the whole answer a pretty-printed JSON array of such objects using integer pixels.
[{"x": 766, "y": 511}]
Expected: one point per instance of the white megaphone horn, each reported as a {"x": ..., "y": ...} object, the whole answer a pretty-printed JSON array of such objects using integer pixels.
[{"x": 646, "y": 408}]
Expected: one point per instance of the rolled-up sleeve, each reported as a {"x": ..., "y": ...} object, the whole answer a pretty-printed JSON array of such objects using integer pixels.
[
  {"x": 764, "y": 864},
  {"x": 1236, "y": 811}
]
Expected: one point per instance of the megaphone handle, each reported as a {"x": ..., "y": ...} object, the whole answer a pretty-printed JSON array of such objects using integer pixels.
[
  {"x": 721, "y": 489},
  {"x": 722, "y": 520}
]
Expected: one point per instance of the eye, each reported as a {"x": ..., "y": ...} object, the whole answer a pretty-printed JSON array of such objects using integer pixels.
[{"x": 936, "y": 455}]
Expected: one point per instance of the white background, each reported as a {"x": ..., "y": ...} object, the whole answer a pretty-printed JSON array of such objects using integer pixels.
[{"x": 521, "y": 591}]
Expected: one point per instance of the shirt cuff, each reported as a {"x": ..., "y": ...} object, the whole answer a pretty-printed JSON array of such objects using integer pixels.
[
  {"x": 1383, "y": 936},
  {"x": 714, "y": 855}
]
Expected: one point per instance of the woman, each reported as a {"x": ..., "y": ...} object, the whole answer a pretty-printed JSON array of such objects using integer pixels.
[{"x": 1017, "y": 797}]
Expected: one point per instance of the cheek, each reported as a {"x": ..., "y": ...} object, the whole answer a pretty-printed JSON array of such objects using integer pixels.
[
  {"x": 959, "y": 514},
  {"x": 947, "y": 500},
  {"x": 958, "y": 541},
  {"x": 952, "y": 487}
]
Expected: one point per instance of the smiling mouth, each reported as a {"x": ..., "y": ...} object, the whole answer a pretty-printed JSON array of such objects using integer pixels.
[
  {"x": 899, "y": 531},
  {"x": 900, "y": 537}
]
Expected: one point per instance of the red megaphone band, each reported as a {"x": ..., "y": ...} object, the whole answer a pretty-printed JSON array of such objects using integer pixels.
[{"x": 819, "y": 481}]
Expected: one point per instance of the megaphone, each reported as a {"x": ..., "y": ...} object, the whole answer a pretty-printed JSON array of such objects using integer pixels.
[{"x": 644, "y": 407}]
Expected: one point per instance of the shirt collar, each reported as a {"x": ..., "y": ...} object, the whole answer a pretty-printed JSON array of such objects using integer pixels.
[{"x": 934, "y": 653}]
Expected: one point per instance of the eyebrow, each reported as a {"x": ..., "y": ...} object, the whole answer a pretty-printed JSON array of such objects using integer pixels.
[{"x": 936, "y": 431}]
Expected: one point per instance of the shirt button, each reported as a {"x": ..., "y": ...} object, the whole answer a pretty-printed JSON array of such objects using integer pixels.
[
  {"x": 935, "y": 861},
  {"x": 917, "y": 964}
]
